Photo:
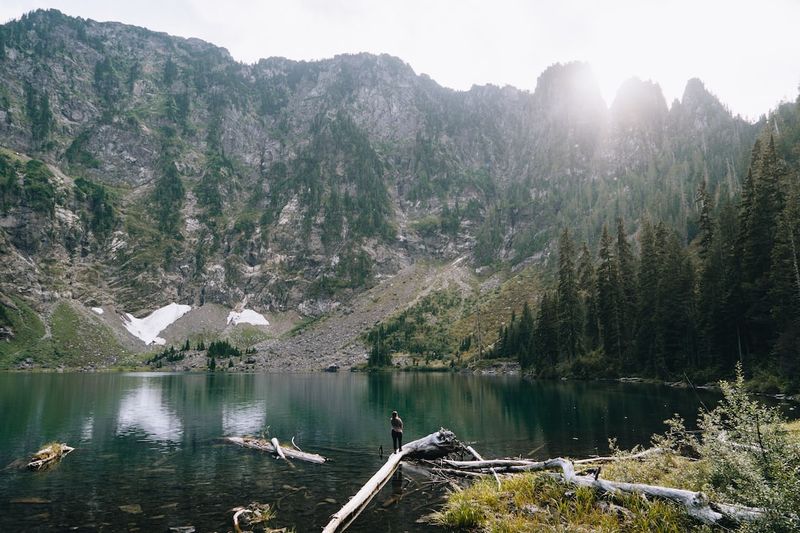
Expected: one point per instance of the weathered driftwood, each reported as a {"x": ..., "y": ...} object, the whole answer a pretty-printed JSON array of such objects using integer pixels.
[
  {"x": 252, "y": 515},
  {"x": 49, "y": 455},
  {"x": 697, "y": 504},
  {"x": 477, "y": 456},
  {"x": 266, "y": 446},
  {"x": 456, "y": 472},
  {"x": 434, "y": 446},
  {"x": 610, "y": 459},
  {"x": 278, "y": 449}
]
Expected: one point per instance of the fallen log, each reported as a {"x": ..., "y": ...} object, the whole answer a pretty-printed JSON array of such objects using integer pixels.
[
  {"x": 507, "y": 463},
  {"x": 477, "y": 456},
  {"x": 49, "y": 455},
  {"x": 697, "y": 504},
  {"x": 610, "y": 459},
  {"x": 266, "y": 446},
  {"x": 278, "y": 449},
  {"x": 434, "y": 446},
  {"x": 457, "y": 472}
]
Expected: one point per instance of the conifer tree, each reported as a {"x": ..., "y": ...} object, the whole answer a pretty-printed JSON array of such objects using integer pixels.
[
  {"x": 545, "y": 337},
  {"x": 568, "y": 303},
  {"x": 626, "y": 268},
  {"x": 648, "y": 303},
  {"x": 522, "y": 338},
  {"x": 705, "y": 222},
  {"x": 587, "y": 291},
  {"x": 674, "y": 333},
  {"x": 760, "y": 216},
  {"x": 785, "y": 286},
  {"x": 608, "y": 312}
]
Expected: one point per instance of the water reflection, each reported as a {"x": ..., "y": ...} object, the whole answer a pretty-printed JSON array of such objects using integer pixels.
[
  {"x": 87, "y": 428},
  {"x": 343, "y": 416},
  {"x": 247, "y": 419},
  {"x": 142, "y": 410}
]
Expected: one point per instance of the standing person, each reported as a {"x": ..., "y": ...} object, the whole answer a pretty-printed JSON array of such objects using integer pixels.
[{"x": 397, "y": 432}]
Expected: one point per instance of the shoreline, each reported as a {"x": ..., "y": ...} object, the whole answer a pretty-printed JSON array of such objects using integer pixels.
[{"x": 499, "y": 368}]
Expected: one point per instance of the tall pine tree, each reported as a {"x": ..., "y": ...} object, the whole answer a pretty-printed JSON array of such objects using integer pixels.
[
  {"x": 568, "y": 302},
  {"x": 608, "y": 312}
]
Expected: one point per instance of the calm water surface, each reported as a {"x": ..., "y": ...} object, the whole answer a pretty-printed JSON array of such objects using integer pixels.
[{"x": 153, "y": 440}]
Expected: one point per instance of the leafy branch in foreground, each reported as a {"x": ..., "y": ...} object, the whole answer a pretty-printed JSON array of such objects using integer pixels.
[{"x": 752, "y": 457}]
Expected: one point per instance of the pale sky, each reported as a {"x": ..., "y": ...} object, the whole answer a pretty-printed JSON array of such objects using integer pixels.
[{"x": 746, "y": 52}]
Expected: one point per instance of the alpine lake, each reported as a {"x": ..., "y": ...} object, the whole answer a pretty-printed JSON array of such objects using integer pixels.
[{"x": 150, "y": 454}]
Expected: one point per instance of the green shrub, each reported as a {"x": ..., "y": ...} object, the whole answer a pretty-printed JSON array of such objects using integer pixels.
[
  {"x": 38, "y": 191},
  {"x": 753, "y": 459}
]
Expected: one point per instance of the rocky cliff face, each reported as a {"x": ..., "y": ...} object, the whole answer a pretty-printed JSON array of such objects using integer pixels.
[{"x": 174, "y": 173}]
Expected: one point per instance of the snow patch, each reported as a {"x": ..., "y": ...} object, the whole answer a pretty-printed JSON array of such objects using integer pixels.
[
  {"x": 98, "y": 310},
  {"x": 247, "y": 316},
  {"x": 148, "y": 328}
]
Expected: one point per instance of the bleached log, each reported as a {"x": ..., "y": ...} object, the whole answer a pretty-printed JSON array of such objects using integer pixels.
[
  {"x": 433, "y": 446},
  {"x": 609, "y": 459},
  {"x": 477, "y": 456},
  {"x": 697, "y": 504},
  {"x": 485, "y": 465},
  {"x": 507, "y": 463},
  {"x": 236, "y": 515},
  {"x": 265, "y": 446},
  {"x": 278, "y": 449},
  {"x": 48, "y": 455},
  {"x": 457, "y": 472}
]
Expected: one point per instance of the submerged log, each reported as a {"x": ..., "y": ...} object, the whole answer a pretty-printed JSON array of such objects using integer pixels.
[
  {"x": 49, "y": 455},
  {"x": 266, "y": 446},
  {"x": 434, "y": 446}
]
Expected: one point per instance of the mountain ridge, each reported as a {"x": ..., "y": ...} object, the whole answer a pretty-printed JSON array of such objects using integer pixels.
[{"x": 179, "y": 174}]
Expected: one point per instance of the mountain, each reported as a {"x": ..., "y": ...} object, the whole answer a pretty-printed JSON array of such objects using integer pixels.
[{"x": 139, "y": 169}]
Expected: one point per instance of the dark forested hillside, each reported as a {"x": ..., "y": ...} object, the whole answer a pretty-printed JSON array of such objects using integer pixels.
[
  {"x": 661, "y": 306},
  {"x": 140, "y": 168}
]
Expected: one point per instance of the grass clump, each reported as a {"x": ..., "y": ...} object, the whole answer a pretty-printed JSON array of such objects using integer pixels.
[
  {"x": 256, "y": 518},
  {"x": 49, "y": 450},
  {"x": 536, "y": 502}
]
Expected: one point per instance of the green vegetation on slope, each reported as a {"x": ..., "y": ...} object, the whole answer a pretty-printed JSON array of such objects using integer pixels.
[
  {"x": 25, "y": 325},
  {"x": 448, "y": 328},
  {"x": 77, "y": 339},
  {"x": 422, "y": 330}
]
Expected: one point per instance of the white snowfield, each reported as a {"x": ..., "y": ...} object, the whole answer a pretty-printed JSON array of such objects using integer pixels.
[
  {"x": 98, "y": 310},
  {"x": 247, "y": 316},
  {"x": 149, "y": 327}
]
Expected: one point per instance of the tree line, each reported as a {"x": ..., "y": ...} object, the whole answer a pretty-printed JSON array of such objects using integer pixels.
[{"x": 663, "y": 308}]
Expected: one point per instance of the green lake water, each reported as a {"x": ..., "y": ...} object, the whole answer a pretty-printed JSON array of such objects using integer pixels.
[{"x": 152, "y": 441}]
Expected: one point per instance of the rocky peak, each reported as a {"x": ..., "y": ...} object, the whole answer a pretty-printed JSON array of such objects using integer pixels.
[
  {"x": 569, "y": 85},
  {"x": 639, "y": 105}
]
